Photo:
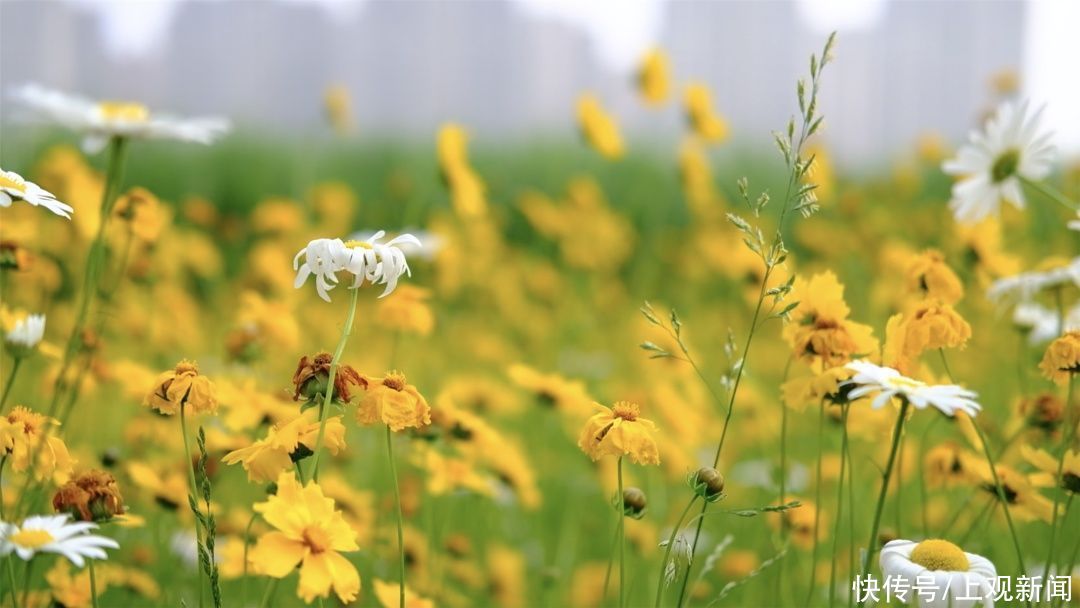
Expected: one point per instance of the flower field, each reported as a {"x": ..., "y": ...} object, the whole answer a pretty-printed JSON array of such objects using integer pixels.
[{"x": 242, "y": 370}]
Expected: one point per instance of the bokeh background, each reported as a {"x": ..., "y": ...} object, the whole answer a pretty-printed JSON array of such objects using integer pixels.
[{"x": 511, "y": 69}]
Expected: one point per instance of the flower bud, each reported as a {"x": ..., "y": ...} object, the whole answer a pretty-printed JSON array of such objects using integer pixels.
[
  {"x": 707, "y": 483},
  {"x": 634, "y": 503}
]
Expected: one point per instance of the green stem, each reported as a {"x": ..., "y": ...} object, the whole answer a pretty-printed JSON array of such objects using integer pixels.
[
  {"x": 247, "y": 543},
  {"x": 93, "y": 583},
  {"x": 1001, "y": 496},
  {"x": 1066, "y": 443},
  {"x": 610, "y": 561},
  {"x": 269, "y": 593},
  {"x": 871, "y": 545},
  {"x": 11, "y": 578},
  {"x": 1049, "y": 193},
  {"x": 400, "y": 517},
  {"x": 94, "y": 263},
  {"x": 194, "y": 487},
  {"x": 329, "y": 396},
  {"x": 10, "y": 383},
  {"x": 620, "y": 510},
  {"x": 667, "y": 549},
  {"x": 839, "y": 507},
  {"x": 817, "y": 499}
]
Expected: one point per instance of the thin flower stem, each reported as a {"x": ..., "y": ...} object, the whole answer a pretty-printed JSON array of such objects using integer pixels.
[
  {"x": 11, "y": 578},
  {"x": 93, "y": 583},
  {"x": 667, "y": 549},
  {"x": 1075, "y": 554},
  {"x": 610, "y": 561},
  {"x": 94, "y": 263},
  {"x": 400, "y": 517},
  {"x": 839, "y": 508},
  {"x": 997, "y": 482},
  {"x": 1004, "y": 501},
  {"x": 269, "y": 593},
  {"x": 1049, "y": 193},
  {"x": 1066, "y": 443},
  {"x": 194, "y": 485},
  {"x": 871, "y": 545},
  {"x": 817, "y": 498},
  {"x": 620, "y": 511},
  {"x": 324, "y": 410},
  {"x": 10, "y": 383},
  {"x": 247, "y": 544},
  {"x": 975, "y": 522}
]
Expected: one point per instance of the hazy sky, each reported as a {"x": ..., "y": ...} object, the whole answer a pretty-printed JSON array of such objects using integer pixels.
[{"x": 623, "y": 29}]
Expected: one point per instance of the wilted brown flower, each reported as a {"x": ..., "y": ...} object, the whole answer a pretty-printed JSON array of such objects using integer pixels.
[
  {"x": 312, "y": 375},
  {"x": 90, "y": 496}
]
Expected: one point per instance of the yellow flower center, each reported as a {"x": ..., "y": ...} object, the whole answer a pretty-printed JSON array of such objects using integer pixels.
[
  {"x": 394, "y": 380},
  {"x": 31, "y": 539},
  {"x": 626, "y": 410},
  {"x": 12, "y": 182},
  {"x": 119, "y": 110},
  {"x": 316, "y": 539},
  {"x": 359, "y": 245},
  {"x": 903, "y": 382},
  {"x": 937, "y": 554}
]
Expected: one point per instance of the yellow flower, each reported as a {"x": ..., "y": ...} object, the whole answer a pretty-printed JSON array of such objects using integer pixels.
[
  {"x": 704, "y": 121},
  {"x": 929, "y": 276},
  {"x": 1025, "y": 502},
  {"x": 286, "y": 443},
  {"x": 930, "y": 326},
  {"x": 814, "y": 387},
  {"x": 169, "y": 488},
  {"x": 819, "y": 330},
  {"x": 466, "y": 188},
  {"x": 619, "y": 431},
  {"x": 1070, "y": 467},
  {"x": 654, "y": 77},
  {"x": 948, "y": 465},
  {"x": 1062, "y": 357},
  {"x": 183, "y": 386},
  {"x": 337, "y": 103},
  {"x": 308, "y": 532},
  {"x": 821, "y": 172},
  {"x": 393, "y": 401},
  {"x": 143, "y": 213},
  {"x": 23, "y": 434},
  {"x": 407, "y": 310},
  {"x": 552, "y": 390},
  {"x": 800, "y": 522},
  {"x": 447, "y": 474},
  {"x": 599, "y": 128},
  {"x": 388, "y": 595}
]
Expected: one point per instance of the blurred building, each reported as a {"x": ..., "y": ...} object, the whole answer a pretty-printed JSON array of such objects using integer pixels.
[{"x": 411, "y": 65}]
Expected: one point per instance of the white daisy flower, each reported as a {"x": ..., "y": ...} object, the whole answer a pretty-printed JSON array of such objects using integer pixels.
[
  {"x": 990, "y": 167},
  {"x": 944, "y": 573},
  {"x": 1042, "y": 323},
  {"x": 888, "y": 383},
  {"x": 367, "y": 260},
  {"x": 1022, "y": 287},
  {"x": 14, "y": 188},
  {"x": 27, "y": 332},
  {"x": 54, "y": 534},
  {"x": 103, "y": 120}
]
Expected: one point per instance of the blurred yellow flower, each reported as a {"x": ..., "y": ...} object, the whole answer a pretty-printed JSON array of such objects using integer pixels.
[
  {"x": 654, "y": 77},
  {"x": 929, "y": 276},
  {"x": 337, "y": 103},
  {"x": 703, "y": 119},
  {"x": 285, "y": 444},
  {"x": 388, "y": 595},
  {"x": 393, "y": 401},
  {"x": 599, "y": 128},
  {"x": 819, "y": 330},
  {"x": 25, "y": 434},
  {"x": 1062, "y": 358},
  {"x": 407, "y": 310}
]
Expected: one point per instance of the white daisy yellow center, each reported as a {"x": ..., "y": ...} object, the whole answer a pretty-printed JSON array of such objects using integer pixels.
[
  {"x": 31, "y": 539},
  {"x": 903, "y": 382},
  {"x": 358, "y": 245},
  {"x": 120, "y": 110},
  {"x": 9, "y": 181},
  {"x": 937, "y": 554}
]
